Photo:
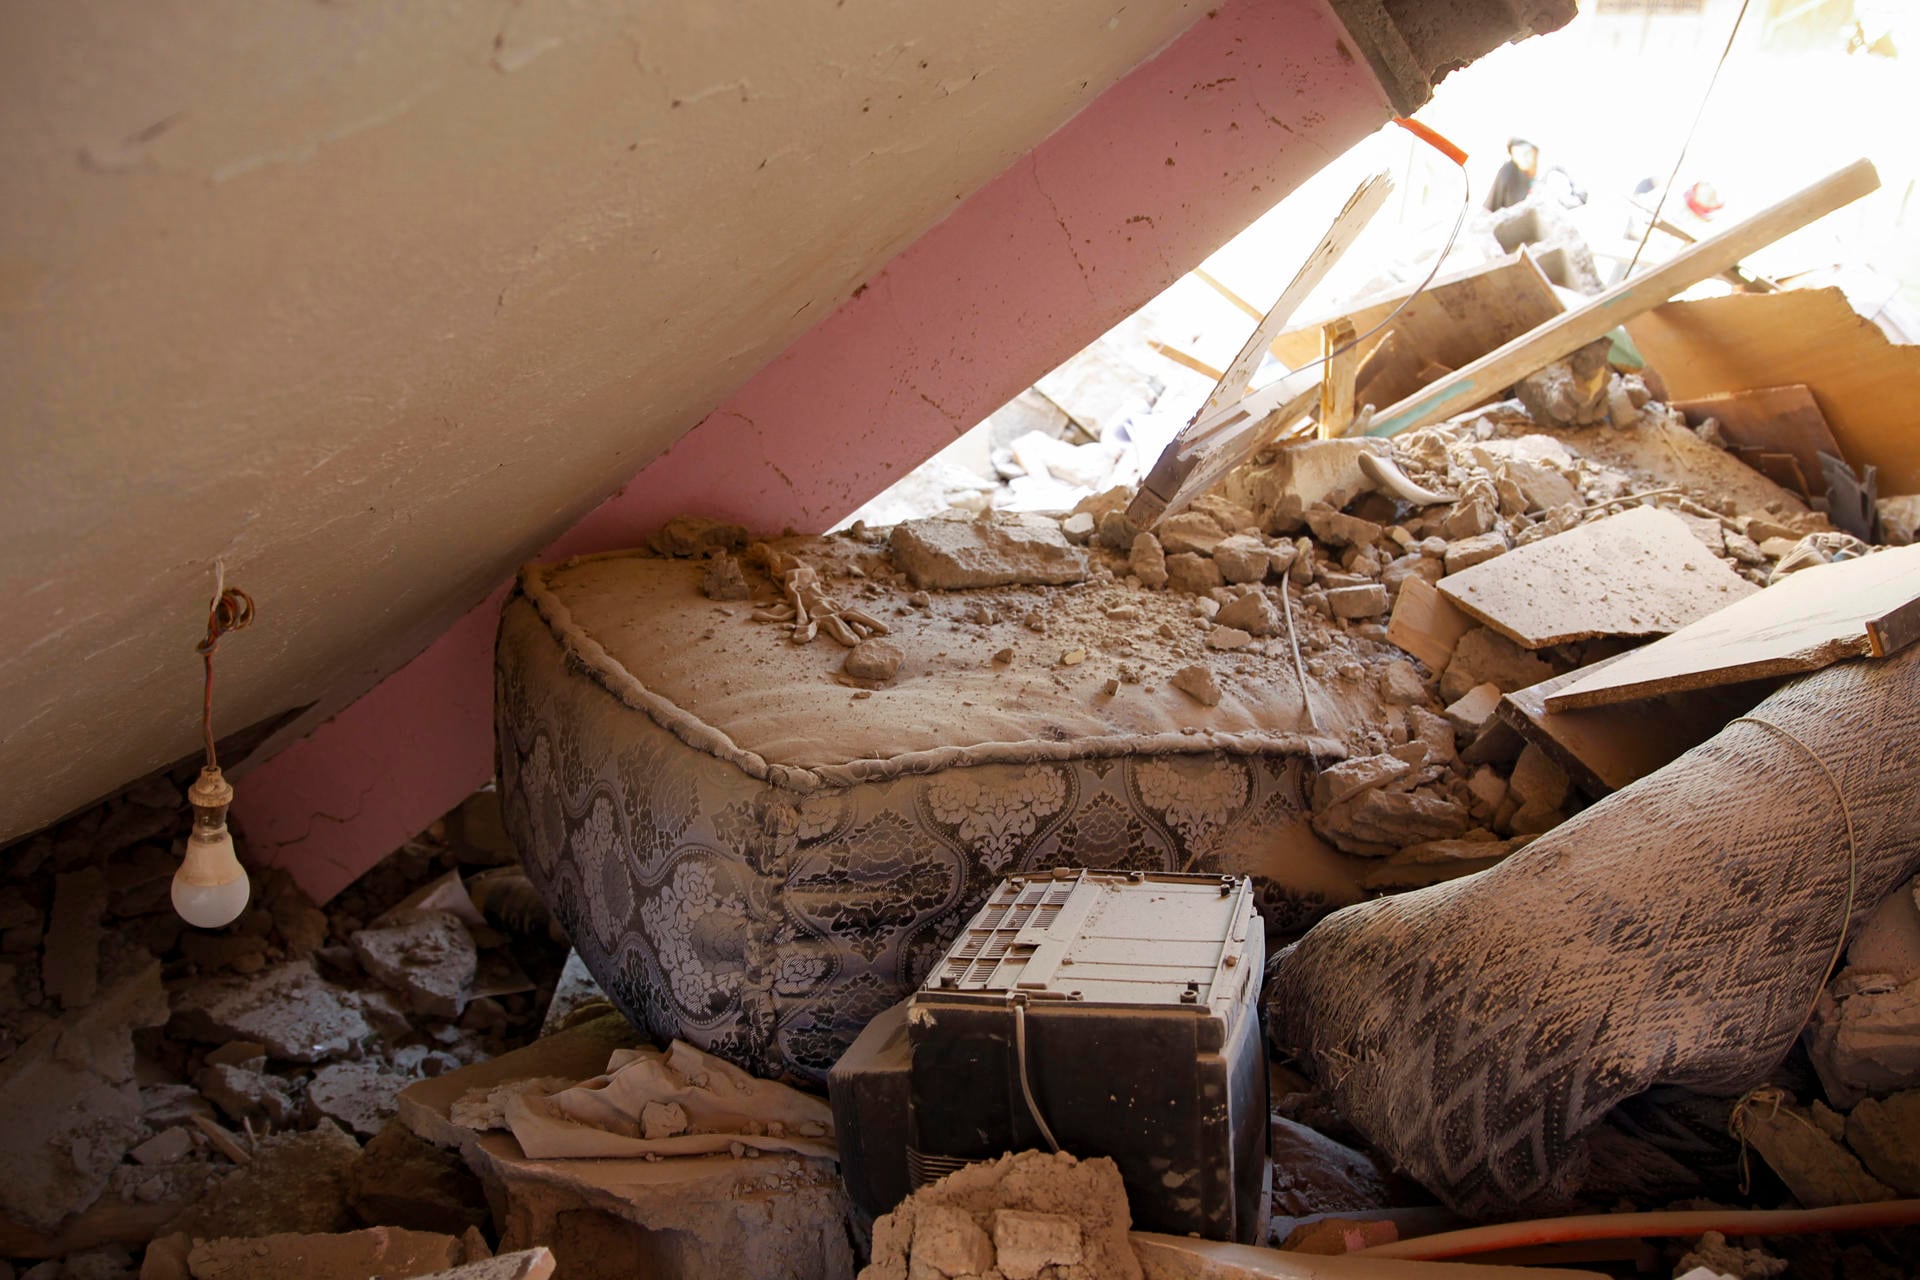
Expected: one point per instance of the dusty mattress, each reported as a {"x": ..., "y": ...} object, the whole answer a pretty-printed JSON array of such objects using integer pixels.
[{"x": 756, "y": 857}]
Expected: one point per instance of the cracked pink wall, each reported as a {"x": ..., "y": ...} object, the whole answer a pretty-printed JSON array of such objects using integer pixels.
[{"x": 1139, "y": 187}]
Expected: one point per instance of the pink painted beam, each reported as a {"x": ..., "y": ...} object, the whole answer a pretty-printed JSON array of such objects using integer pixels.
[{"x": 1131, "y": 193}]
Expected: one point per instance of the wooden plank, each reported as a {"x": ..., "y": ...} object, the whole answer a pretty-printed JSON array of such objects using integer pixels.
[
  {"x": 1565, "y": 334},
  {"x": 1426, "y": 624},
  {"x": 1232, "y": 425},
  {"x": 1773, "y": 420},
  {"x": 1805, "y": 621},
  {"x": 1218, "y": 286},
  {"x": 1605, "y": 748},
  {"x": 1338, "y": 365},
  {"x": 1460, "y": 317},
  {"x": 1347, "y": 226},
  {"x": 1865, "y": 385},
  {"x": 1640, "y": 573}
]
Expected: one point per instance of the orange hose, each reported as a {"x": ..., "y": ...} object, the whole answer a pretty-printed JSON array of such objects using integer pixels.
[
  {"x": 1433, "y": 139},
  {"x": 1617, "y": 1226}
]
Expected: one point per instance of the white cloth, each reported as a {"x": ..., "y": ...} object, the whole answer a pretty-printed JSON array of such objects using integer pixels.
[{"x": 724, "y": 1106}]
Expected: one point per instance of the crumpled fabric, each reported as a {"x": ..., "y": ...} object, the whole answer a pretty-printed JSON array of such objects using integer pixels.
[{"x": 725, "y": 1108}]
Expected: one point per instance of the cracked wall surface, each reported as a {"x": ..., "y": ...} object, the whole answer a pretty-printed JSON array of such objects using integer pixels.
[{"x": 373, "y": 302}]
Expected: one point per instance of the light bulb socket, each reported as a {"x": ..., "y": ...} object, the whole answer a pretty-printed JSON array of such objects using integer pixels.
[{"x": 210, "y": 791}]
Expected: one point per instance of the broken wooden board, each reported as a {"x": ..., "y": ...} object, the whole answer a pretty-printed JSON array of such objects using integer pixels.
[
  {"x": 1640, "y": 573},
  {"x": 1425, "y": 624},
  {"x": 1459, "y": 318},
  {"x": 1865, "y": 385},
  {"x": 1772, "y": 420},
  {"x": 1480, "y": 380},
  {"x": 1605, "y": 748},
  {"x": 1866, "y": 607}
]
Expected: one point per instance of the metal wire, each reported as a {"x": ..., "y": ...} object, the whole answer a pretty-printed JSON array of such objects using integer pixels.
[
  {"x": 230, "y": 610},
  {"x": 1686, "y": 142},
  {"x": 1026, "y": 1085}
]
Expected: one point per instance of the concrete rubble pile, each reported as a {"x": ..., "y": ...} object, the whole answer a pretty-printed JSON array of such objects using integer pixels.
[{"x": 183, "y": 1103}]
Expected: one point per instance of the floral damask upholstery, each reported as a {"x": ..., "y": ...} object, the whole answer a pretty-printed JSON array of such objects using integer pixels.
[{"x": 765, "y": 911}]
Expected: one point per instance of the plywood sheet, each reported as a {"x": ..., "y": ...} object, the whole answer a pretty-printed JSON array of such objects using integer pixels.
[
  {"x": 1454, "y": 321},
  {"x": 1866, "y": 386},
  {"x": 1771, "y": 420},
  {"x": 1605, "y": 748},
  {"x": 1640, "y": 573},
  {"x": 1869, "y": 607},
  {"x": 1426, "y": 624}
]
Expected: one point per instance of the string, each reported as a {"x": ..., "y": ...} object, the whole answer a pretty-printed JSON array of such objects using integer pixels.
[{"x": 231, "y": 609}]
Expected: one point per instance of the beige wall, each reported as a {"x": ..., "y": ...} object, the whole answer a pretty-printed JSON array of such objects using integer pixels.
[{"x": 373, "y": 299}]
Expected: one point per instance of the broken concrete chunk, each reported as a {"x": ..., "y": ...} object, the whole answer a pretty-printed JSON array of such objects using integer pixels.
[
  {"x": 69, "y": 1105},
  {"x": 1337, "y": 782},
  {"x": 1817, "y": 1169},
  {"x": 1028, "y": 1245},
  {"x": 944, "y": 554},
  {"x": 522, "y": 1264},
  {"x": 1198, "y": 682},
  {"x": 1538, "y": 780},
  {"x": 1190, "y": 532},
  {"x": 296, "y": 1182},
  {"x": 356, "y": 1095},
  {"x": 1339, "y": 530},
  {"x": 1369, "y": 601},
  {"x": 401, "y": 1181},
  {"x": 1570, "y": 392},
  {"x": 1228, "y": 638},
  {"x": 1867, "y": 1041},
  {"x": 1022, "y": 1216},
  {"x": 290, "y": 1009},
  {"x": 1470, "y": 712},
  {"x": 1885, "y": 1134},
  {"x": 376, "y": 1251},
  {"x": 1484, "y": 656},
  {"x": 1468, "y": 552},
  {"x": 165, "y": 1147},
  {"x": 1148, "y": 561},
  {"x": 1306, "y": 473},
  {"x": 1313, "y": 1174},
  {"x": 874, "y": 660},
  {"x": 1242, "y": 558},
  {"x": 426, "y": 956},
  {"x": 1400, "y": 682},
  {"x": 1194, "y": 574},
  {"x": 723, "y": 579},
  {"x": 1379, "y": 822},
  {"x": 1888, "y": 941},
  {"x": 1252, "y": 613},
  {"x": 948, "y": 1242},
  {"x": 691, "y": 536},
  {"x": 1079, "y": 528}
]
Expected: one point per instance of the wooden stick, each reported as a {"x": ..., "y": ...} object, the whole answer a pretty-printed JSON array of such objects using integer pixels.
[
  {"x": 1215, "y": 284},
  {"x": 1231, "y": 424},
  {"x": 1566, "y": 334},
  {"x": 1340, "y": 361},
  {"x": 1347, "y": 226},
  {"x": 1182, "y": 358}
]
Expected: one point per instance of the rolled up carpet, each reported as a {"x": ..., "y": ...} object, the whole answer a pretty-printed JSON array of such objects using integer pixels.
[{"x": 1677, "y": 932}]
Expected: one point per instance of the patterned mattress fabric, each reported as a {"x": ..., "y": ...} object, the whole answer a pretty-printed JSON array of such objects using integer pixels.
[
  {"x": 1481, "y": 1032},
  {"x": 763, "y": 902}
]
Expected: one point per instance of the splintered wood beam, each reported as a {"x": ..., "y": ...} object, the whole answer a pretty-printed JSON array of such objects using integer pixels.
[
  {"x": 1347, "y": 226},
  {"x": 1231, "y": 425},
  {"x": 1340, "y": 362},
  {"x": 1563, "y": 335}
]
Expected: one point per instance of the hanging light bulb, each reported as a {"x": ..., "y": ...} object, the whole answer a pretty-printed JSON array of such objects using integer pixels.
[{"x": 210, "y": 889}]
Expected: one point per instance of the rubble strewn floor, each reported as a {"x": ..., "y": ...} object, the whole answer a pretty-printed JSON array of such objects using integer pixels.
[{"x": 329, "y": 1092}]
